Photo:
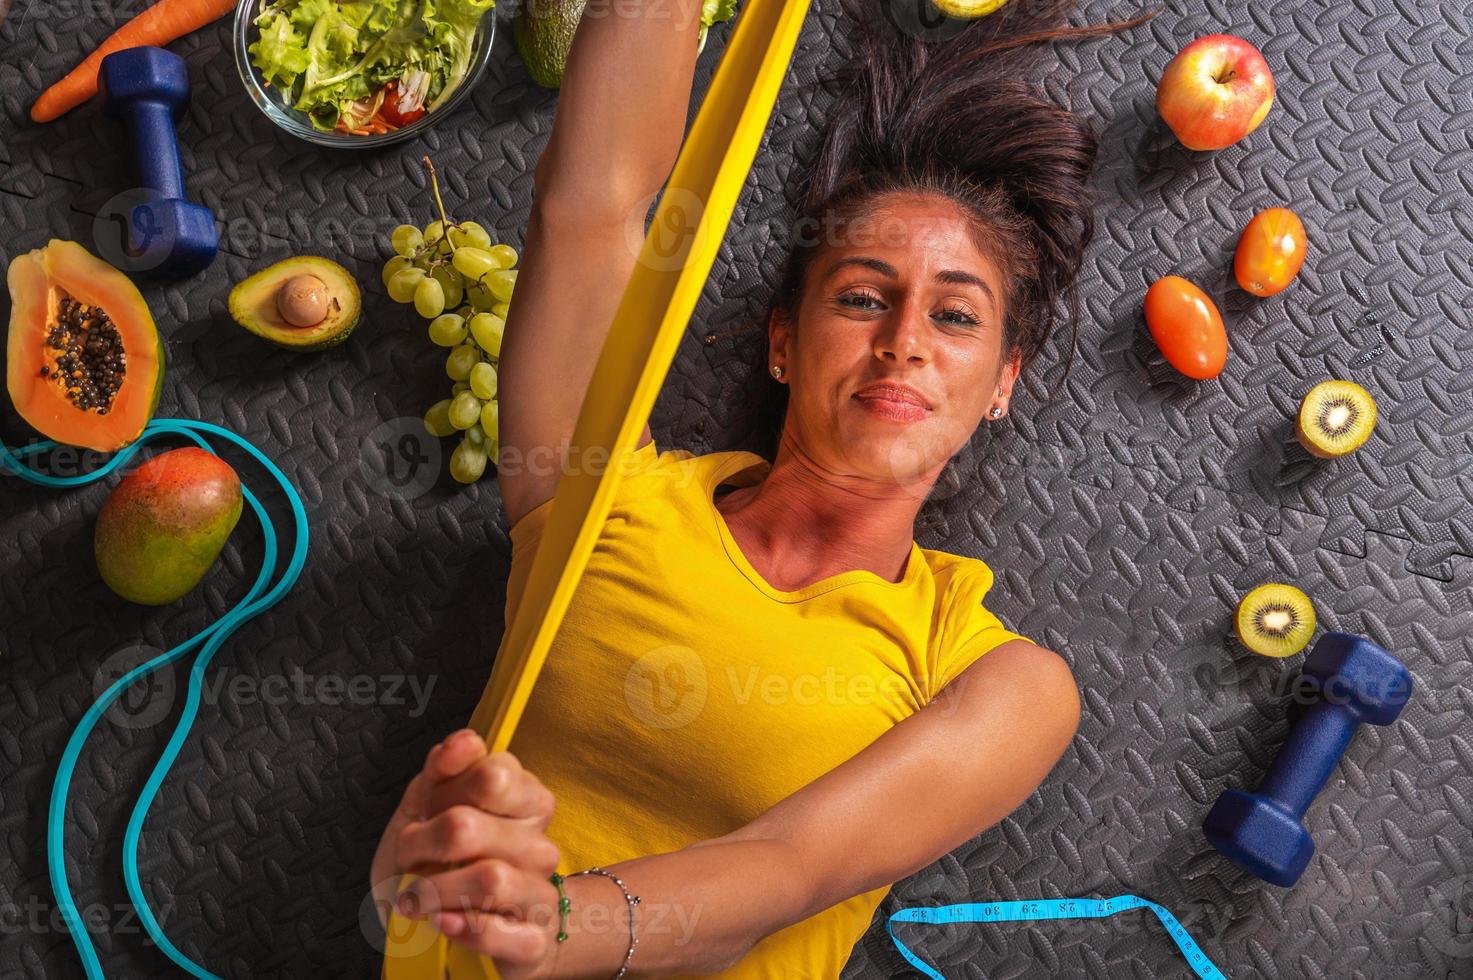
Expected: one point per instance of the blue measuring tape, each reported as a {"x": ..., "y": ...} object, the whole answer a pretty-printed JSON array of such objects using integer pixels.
[
  {"x": 256, "y": 601},
  {"x": 1062, "y": 908}
]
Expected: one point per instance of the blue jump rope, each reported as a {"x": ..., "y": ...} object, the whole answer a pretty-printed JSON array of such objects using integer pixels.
[{"x": 252, "y": 604}]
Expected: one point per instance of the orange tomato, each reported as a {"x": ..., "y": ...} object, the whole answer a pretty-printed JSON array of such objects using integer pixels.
[
  {"x": 1270, "y": 252},
  {"x": 1187, "y": 327}
]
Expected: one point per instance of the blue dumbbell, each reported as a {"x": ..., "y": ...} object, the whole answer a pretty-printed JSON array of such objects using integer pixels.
[
  {"x": 1352, "y": 681},
  {"x": 166, "y": 235}
]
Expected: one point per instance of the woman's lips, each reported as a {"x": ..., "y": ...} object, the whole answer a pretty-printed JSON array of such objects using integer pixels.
[{"x": 893, "y": 403}]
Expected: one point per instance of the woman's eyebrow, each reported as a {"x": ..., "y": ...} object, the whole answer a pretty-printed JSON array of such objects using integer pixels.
[
  {"x": 878, "y": 265},
  {"x": 958, "y": 277}
]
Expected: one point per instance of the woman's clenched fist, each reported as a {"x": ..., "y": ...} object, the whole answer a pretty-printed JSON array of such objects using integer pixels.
[{"x": 470, "y": 833}]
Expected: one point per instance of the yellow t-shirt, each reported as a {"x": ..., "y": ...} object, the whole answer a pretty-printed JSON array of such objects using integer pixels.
[{"x": 684, "y": 695}]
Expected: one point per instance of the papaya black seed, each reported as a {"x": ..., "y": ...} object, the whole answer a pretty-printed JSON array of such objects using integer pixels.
[{"x": 91, "y": 363}]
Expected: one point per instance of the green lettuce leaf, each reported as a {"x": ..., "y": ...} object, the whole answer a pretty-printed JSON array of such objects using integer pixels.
[
  {"x": 717, "y": 12},
  {"x": 714, "y": 12},
  {"x": 325, "y": 55},
  {"x": 280, "y": 51}
]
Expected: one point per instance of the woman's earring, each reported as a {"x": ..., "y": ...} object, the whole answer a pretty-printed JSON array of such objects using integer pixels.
[
  {"x": 777, "y": 371},
  {"x": 996, "y": 412}
]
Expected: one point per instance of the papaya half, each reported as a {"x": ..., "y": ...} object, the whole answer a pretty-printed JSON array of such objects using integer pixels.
[{"x": 85, "y": 363}]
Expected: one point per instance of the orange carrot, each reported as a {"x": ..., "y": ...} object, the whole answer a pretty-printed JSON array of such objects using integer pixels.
[{"x": 165, "y": 21}]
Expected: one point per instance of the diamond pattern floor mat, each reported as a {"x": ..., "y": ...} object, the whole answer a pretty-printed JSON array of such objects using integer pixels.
[{"x": 1124, "y": 510}]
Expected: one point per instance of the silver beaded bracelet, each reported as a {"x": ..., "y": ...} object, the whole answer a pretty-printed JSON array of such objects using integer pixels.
[{"x": 633, "y": 900}]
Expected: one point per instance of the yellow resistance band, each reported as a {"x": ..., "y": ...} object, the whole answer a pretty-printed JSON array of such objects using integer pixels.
[{"x": 652, "y": 316}]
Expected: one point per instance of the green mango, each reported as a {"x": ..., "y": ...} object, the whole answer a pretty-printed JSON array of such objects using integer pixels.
[{"x": 161, "y": 529}]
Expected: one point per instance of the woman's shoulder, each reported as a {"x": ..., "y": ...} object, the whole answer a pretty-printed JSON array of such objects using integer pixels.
[
  {"x": 966, "y": 627},
  {"x": 683, "y": 479},
  {"x": 649, "y": 474},
  {"x": 736, "y": 466},
  {"x": 958, "y": 578},
  {"x": 962, "y": 585}
]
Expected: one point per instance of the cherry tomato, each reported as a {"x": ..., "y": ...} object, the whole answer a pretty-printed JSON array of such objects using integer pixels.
[
  {"x": 391, "y": 111},
  {"x": 1187, "y": 327},
  {"x": 1270, "y": 252}
]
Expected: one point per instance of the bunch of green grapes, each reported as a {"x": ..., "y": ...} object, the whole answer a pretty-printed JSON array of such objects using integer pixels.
[{"x": 455, "y": 267}]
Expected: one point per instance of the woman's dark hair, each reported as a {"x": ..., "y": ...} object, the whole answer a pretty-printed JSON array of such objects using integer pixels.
[{"x": 960, "y": 117}]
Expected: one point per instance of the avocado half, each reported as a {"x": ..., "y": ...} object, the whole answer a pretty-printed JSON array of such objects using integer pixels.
[{"x": 253, "y": 304}]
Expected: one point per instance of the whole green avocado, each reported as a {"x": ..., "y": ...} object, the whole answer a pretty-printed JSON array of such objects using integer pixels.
[{"x": 544, "y": 35}]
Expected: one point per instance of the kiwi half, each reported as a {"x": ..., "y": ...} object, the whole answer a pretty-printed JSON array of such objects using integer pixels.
[
  {"x": 1335, "y": 418},
  {"x": 1275, "y": 620}
]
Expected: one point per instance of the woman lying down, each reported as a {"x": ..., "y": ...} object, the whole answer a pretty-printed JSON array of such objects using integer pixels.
[{"x": 767, "y": 702}]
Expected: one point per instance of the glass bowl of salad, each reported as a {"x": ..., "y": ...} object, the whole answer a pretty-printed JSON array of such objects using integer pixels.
[{"x": 361, "y": 73}]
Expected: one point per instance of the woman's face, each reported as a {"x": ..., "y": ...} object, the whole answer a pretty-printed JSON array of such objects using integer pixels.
[{"x": 898, "y": 353}]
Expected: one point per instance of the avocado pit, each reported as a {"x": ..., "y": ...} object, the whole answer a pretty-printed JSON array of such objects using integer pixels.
[{"x": 303, "y": 301}]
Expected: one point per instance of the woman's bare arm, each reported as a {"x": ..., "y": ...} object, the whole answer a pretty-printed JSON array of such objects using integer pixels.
[
  {"x": 931, "y": 783},
  {"x": 618, "y": 128}
]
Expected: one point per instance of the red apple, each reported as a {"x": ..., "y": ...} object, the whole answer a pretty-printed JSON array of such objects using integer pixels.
[{"x": 1215, "y": 91}]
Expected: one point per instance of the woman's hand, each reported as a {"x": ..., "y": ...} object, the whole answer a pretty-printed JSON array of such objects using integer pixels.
[{"x": 471, "y": 830}]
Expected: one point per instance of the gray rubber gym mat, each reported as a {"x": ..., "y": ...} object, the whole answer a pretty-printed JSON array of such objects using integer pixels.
[{"x": 1124, "y": 518}]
